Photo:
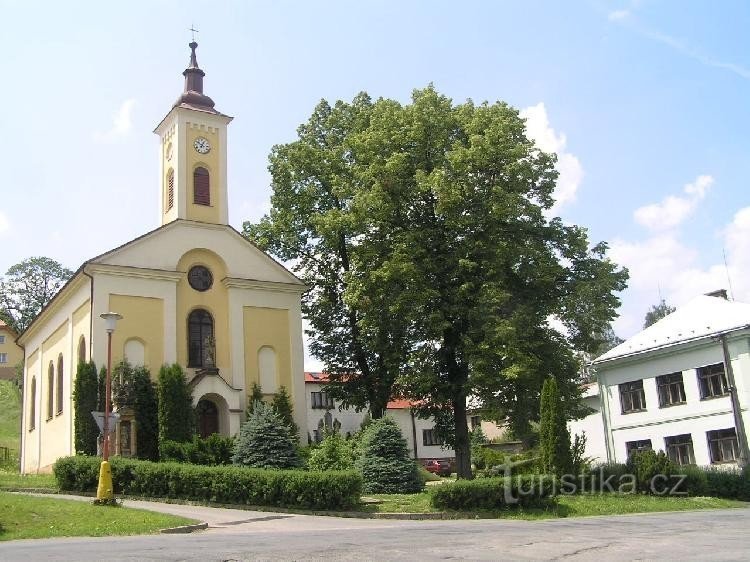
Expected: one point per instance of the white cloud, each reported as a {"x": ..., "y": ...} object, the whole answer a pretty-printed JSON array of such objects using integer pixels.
[
  {"x": 547, "y": 139},
  {"x": 618, "y": 15},
  {"x": 122, "y": 122},
  {"x": 673, "y": 210},
  {"x": 4, "y": 224}
]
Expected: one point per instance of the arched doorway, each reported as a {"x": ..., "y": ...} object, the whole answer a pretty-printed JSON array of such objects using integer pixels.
[{"x": 208, "y": 418}]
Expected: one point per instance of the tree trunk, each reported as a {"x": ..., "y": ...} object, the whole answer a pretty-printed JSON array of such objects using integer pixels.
[{"x": 462, "y": 446}]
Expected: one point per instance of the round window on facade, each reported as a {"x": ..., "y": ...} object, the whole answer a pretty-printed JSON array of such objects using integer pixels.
[{"x": 200, "y": 278}]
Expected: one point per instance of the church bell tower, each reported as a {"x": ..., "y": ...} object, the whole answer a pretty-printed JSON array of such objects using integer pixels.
[{"x": 193, "y": 153}]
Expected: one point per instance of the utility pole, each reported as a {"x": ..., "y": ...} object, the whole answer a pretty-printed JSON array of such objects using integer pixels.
[{"x": 739, "y": 423}]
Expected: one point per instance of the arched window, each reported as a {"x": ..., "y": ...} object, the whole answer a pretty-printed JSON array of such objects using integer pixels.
[
  {"x": 59, "y": 394},
  {"x": 201, "y": 346},
  {"x": 267, "y": 370},
  {"x": 50, "y": 390},
  {"x": 201, "y": 187},
  {"x": 32, "y": 405},
  {"x": 81, "y": 350},
  {"x": 208, "y": 418},
  {"x": 135, "y": 352},
  {"x": 170, "y": 189}
]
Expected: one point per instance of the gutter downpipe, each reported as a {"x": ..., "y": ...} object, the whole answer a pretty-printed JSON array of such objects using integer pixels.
[
  {"x": 91, "y": 311},
  {"x": 413, "y": 431},
  {"x": 739, "y": 423},
  {"x": 604, "y": 410}
]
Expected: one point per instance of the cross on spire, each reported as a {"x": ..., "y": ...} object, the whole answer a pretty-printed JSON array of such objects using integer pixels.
[{"x": 193, "y": 31}]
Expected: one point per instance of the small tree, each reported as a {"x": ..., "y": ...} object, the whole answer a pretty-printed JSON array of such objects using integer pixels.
[
  {"x": 85, "y": 401},
  {"x": 384, "y": 460},
  {"x": 256, "y": 395},
  {"x": 334, "y": 453},
  {"x": 657, "y": 312},
  {"x": 132, "y": 388},
  {"x": 282, "y": 405},
  {"x": 176, "y": 413},
  {"x": 264, "y": 441},
  {"x": 554, "y": 437}
]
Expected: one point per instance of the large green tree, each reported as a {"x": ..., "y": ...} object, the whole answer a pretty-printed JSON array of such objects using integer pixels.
[
  {"x": 454, "y": 265},
  {"x": 657, "y": 312},
  {"x": 27, "y": 287}
]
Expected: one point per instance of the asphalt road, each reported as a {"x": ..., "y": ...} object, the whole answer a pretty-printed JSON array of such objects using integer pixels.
[{"x": 249, "y": 535}]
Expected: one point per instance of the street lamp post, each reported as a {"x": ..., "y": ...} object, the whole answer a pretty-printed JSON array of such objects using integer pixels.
[{"x": 104, "y": 492}]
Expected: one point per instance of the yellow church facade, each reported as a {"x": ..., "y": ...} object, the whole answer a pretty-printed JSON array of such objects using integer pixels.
[{"x": 192, "y": 292}]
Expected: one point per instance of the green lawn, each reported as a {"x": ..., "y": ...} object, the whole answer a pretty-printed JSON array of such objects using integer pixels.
[
  {"x": 29, "y": 517},
  {"x": 562, "y": 506},
  {"x": 14, "y": 480}
]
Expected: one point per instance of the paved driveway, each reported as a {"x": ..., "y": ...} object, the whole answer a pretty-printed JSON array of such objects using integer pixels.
[{"x": 252, "y": 535}]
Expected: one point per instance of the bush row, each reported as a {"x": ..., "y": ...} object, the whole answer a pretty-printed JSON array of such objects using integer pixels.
[
  {"x": 494, "y": 493},
  {"x": 214, "y": 450},
  {"x": 222, "y": 484}
]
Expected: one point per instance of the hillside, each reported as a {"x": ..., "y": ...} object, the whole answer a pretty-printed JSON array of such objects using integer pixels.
[{"x": 10, "y": 416}]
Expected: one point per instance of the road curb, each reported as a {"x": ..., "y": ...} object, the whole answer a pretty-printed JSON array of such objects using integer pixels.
[{"x": 184, "y": 529}]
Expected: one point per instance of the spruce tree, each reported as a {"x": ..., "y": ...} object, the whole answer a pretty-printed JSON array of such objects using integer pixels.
[
  {"x": 132, "y": 388},
  {"x": 264, "y": 441},
  {"x": 176, "y": 413},
  {"x": 282, "y": 405},
  {"x": 256, "y": 395},
  {"x": 85, "y": 401},
  {"x": 554, "y": 437},
  {"x": 384, "y": 460}
]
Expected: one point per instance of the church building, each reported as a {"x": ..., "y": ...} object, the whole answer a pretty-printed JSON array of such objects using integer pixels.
[{"x": 192, "y": 292}]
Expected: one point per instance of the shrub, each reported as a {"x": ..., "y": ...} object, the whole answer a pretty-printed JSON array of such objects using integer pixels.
[
  {"x": 85, "y": 390},
  {"x": 282, "y": 405},
  {"x": 384, "y": 460},
  {"x": 613, "y": 474},
  {"x": 520, "y": 463},
  {"x": 132, "y": 388},
  {"x": 264, "y": 441},
  {"x": 721, "y": 483},
  {"x": 221, "y": 484},
  {"x": 333, "y": 453},
  {"x": 645, "y": 465},
  {"x": 176, "y": 414},
  {"x": 214, "y": 450},
  {"x": 485, "y": 457},
  {"x": 494, "y": 493}
]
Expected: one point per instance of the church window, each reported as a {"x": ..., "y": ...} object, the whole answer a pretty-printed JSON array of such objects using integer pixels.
[
  {"x": 267, "y": 369},
  {"x": 201, "y": 187},
  {"x": 200, "y": 278},
  {"x": 50, "y": 390},
  {"x": 170, "y": 189},
  {"x": 135, "y": 352},
  {"x": 32, "y": 406},
  {"x": 59, "y": 388},
  {"x": 82, "y": 350},
  {"x": 201, "y": 348}
]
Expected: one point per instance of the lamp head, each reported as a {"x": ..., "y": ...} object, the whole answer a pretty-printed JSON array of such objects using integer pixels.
[{"x": 110, "y": 319}]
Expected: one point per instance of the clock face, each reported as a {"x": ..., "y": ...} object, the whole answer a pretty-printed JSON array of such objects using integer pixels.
[
  {"x": 200, "y": 278},
  {"x": 202, "y": 146}
]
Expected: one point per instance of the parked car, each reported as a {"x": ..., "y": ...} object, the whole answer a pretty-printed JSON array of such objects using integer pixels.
[{"x": 438, "y": 466}]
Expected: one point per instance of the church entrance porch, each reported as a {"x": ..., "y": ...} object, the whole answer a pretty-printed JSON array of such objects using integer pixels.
[
  {"x": 208, "y": 417},
  {"x": 218, "y": 405}
]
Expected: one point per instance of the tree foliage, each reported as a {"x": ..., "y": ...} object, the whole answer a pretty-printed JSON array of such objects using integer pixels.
[
  {"x": 27, "y": 287},
  {"x": 85, "y": 401},
  {"x": 384, "y": 460},
  {"x": 425, "y": 233},
  {"x": 264, "y": 441},
  {"x": 333, "y": 453},
  {"x": 555, "y": 455},
  {"x": 657, "y": 312},
  {"x": 176, "y": 412},
  {"x": 282, "y": 405},
  {"x": 132, "y": 388}
]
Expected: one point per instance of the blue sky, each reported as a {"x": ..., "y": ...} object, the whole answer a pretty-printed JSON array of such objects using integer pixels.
[{"x": 645, "y": 102}]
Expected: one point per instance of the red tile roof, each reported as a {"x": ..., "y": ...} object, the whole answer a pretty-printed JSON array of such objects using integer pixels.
[{"x": 322, "y": 378}]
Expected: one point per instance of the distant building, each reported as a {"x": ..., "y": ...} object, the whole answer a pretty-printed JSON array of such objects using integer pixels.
[
  {"x": 10, "y": 353},
  {"x": 668, "y": 388}
]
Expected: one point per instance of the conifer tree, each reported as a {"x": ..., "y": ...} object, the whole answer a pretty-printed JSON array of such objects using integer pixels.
[
  {"x": 264, "y": 441},
  {"x": 256, "y": 395},
  {"x": 132, "y": 388},
  {"x": 176, "y": 413},
  {"x": 282, "y": 405},
  {"x": 384, "y": 460},
  {"x": 554, "y": 437},
  {"x": 85, "y": 401}
]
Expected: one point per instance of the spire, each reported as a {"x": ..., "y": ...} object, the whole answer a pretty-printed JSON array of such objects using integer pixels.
[{"x": 193, "y": 97}]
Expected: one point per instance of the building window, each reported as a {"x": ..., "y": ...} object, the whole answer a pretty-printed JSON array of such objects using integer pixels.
[
  {"x": 50, "y": 390},
  {"x": 321, "y": 400},
  {"x": 267, "y": 370},
  {"x": 3, "y": 357},
  {"x": 723, "y": 446},
  {"x": 637, "y": 446},
  {"x": 476, "y": 421},
  {"x": 201, "y": 348},
  {"x": 170, "y": 189},
  {"x": 632, "y": 397},
  {"x": 680, "y": 448},
  {"x": 430, "y": 437},
  {"x": 59, "y": 393},
  {"x": 2, "y": 338},
  {"x": 32, "y": 405},
  {"x": 201, "y": 187},
  {"x": 712, "y": 381},
  {"x": 81, "y": 350},
  {"x": 671, "y": 390}
]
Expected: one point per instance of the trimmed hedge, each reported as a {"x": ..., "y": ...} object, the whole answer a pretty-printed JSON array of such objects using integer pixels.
[
  {"x": 717, "y": 482},
  {"x": 526, "y": 490},
  {"x": 214, "y": 450},
  {"x": 221, "y": 484}
]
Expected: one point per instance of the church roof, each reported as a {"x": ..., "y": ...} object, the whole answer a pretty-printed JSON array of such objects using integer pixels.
[{"x": 702, "y": 317}]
